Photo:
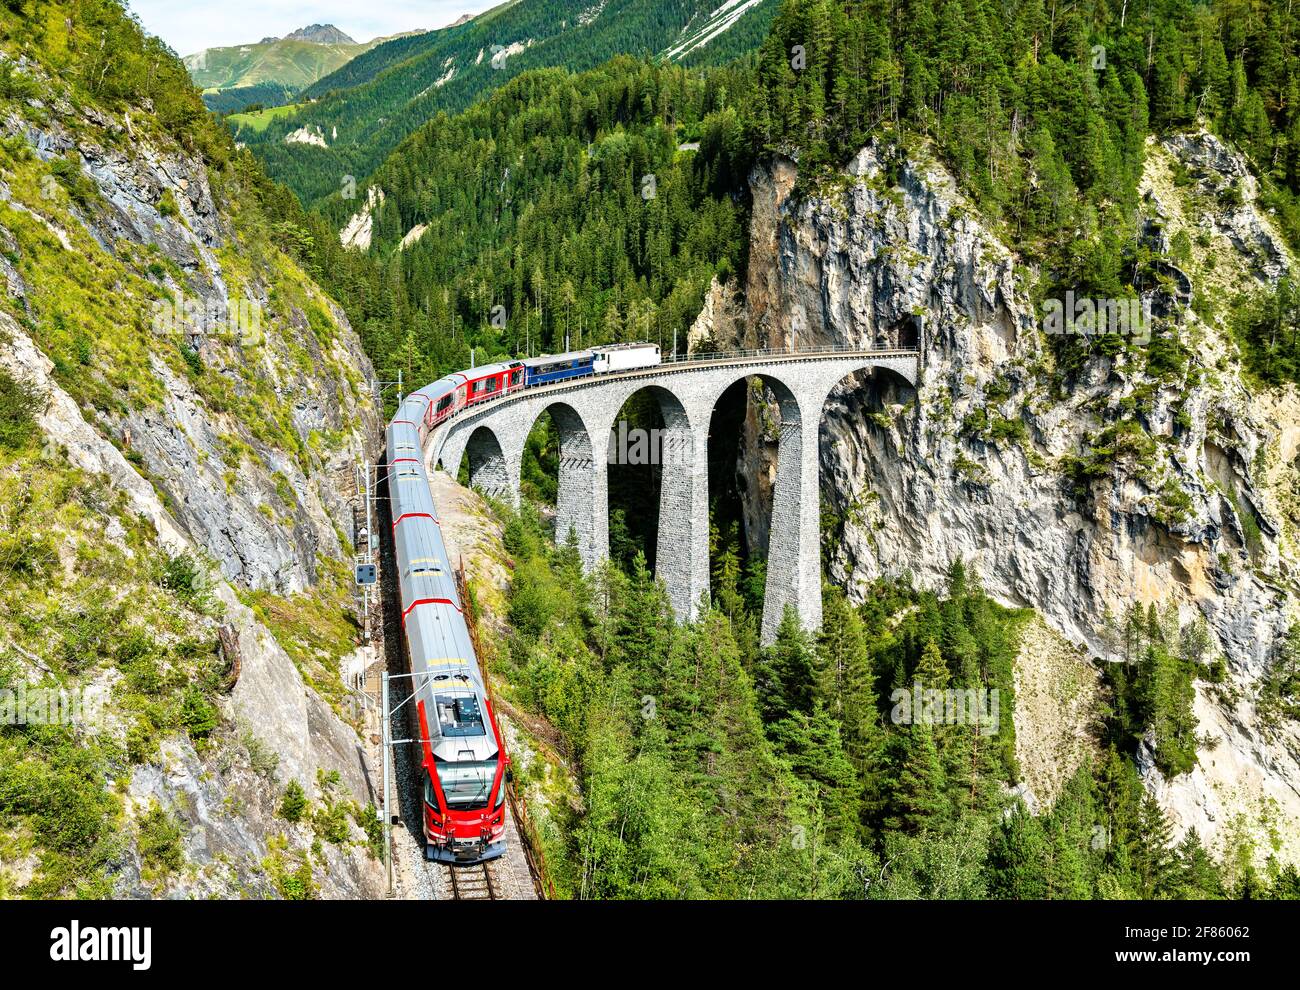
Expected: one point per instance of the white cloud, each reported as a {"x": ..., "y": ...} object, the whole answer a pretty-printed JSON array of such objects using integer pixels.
[{"x": 190, "y": 26}]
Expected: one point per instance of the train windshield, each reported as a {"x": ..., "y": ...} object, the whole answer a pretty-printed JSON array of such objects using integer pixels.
[{"x": 468, "y": 784}]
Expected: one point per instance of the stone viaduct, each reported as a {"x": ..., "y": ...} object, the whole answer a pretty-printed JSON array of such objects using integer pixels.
[{"x": 585, "y": 412}]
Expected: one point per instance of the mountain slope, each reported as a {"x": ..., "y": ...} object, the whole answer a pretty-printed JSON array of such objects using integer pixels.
[
  {"x": 378, "y": 99},
  {"x": 582, "y": 204},
  {"x": 244, "y": 98},
  {"x": 1134, "y": 483},
  {"x": 182, "y": 407},
  {"x": 974, "y": 465},
  {"x": 291, "y": 63}
]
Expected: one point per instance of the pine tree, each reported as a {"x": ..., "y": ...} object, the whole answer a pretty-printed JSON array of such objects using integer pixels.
[
  {"x": 931, "y": 671},
  {"x": 917, "y": 798},
  {"x": 1151, "y": 852},
  {"x": 846, "y": 686},
  {"x": 1198, "y": 874},
  {"x": 786, "y": 676},
  {"x": 1016, "y": 855},
  {"x": 813, "y": 747},
  {"x": 643, "y": 629},
  {"x": 1286, "y": 886}
]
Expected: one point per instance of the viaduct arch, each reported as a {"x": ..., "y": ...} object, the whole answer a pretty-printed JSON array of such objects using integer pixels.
[{"x": 584, "y": 412}]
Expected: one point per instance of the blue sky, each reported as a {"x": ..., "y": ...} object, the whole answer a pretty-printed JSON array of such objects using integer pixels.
[{"x": 190, "y": 26}]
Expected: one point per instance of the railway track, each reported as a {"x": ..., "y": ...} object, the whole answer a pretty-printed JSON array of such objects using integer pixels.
[{"x": 471, "y": 883}]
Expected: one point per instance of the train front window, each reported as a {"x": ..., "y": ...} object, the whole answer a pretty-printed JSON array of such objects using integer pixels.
[{"x": 467, "y": 784}]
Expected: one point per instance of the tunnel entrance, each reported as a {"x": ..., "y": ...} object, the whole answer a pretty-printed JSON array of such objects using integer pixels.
[{"x": 906, "y": 334}]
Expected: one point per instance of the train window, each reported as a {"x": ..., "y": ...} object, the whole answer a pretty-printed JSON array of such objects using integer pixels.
[
  {"x": 491, "y": 385},
  {"x": 430, "y": 796},
  {"x": 444, "y": 402},
  {"x": 468, "y": 783}
]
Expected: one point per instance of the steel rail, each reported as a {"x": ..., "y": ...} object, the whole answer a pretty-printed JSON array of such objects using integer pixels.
[{"x": 466, "y": 887}]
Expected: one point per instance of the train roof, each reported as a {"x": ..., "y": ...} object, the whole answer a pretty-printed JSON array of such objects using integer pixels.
[
  {"x": 629, "y": 346},
  {"x": 546, "y": 359},
  {"x": 483, "y": 370},
  {"x": 448, "y": 684},
  {"x": 415, "y": 403},
  {"x": 441, "y": 387}
]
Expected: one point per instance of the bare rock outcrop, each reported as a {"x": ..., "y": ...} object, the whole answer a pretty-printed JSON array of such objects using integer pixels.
[{"x": 892, "y": 253}]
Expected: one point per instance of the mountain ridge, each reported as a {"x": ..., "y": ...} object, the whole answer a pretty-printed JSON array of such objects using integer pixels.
[
  {"x": 293, "y": 62},
  {"x": 320, "y": 34}
]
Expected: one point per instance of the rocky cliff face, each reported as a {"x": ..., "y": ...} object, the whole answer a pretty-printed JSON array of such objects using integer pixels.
[
  {"x": 294, "y": 352},
  {"x": 970, "y": 465},
  {"x": 201, "y": 404}
]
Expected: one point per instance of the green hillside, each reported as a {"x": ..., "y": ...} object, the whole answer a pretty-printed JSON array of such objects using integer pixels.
[
  {"x": 93, "y": 589},
  {"x": 535, "y": 199},
  {"x": 381, "y": 97},
  {"x": 242, "y": 97},
  {"x": 258, "y": 120},
  {"x": 295, "y": 64}
]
